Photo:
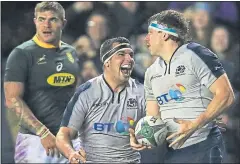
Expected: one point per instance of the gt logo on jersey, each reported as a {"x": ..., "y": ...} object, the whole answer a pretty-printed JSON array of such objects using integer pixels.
[
  {"x": 175, "y": 93},
  {"x": 61, "y": 79}
]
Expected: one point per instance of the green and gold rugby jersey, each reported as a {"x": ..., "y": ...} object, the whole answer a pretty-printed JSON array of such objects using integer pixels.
[{"x": 49, "y": 74}]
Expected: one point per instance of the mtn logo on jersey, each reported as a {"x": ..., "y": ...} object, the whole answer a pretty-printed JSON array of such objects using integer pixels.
[
  {"x": 61, "y": 79},
  {"x": 175, "y": 93}
]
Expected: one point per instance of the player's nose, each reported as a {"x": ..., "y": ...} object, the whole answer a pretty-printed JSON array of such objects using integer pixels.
[
  {"x": 46, "y": 23},
  {"x": 128, "y": 58},
  {"x": 146, "y": 39}
]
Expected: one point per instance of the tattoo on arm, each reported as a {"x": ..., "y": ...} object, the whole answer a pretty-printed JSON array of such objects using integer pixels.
[{"x": 13, "y": 93}]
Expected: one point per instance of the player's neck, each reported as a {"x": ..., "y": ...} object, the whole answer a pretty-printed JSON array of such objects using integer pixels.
[
  {"x": 114, "y": 84},
  {"x": 168, "y": 51},
  {"x": 55, "y": 43}
]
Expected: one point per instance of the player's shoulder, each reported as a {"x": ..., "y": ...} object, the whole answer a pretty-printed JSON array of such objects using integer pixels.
[
  {"x": 196, "y": 50},
  {"x": 83, "y": 87},
  {"x": 152, "y": 67},
  {"x": 136, "y": 87},
  {"x": 67, "y": 46},
  {"x": 135, "y": 83},
  {"x": 23, "y": 49},
  {"x": 89, "y": 86},
  {"x": 27, "y": 45}
]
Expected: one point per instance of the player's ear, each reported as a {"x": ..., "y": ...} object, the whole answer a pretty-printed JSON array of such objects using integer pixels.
[
  {"x": 34, "y": 20},
  {"x": 165, "y": 36},
  {"x": 107, "y": 64},
  {"x": 64, "y": 23}
]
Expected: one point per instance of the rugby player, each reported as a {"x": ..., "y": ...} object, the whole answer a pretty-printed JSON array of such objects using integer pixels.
[
  {"x": 188, "y": 88},
  {"x": 103, "y": 109},
  {"x": 40, "y": 78}
]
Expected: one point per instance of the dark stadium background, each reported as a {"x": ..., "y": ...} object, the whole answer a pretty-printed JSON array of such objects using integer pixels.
[{"x": 127, "y": 19}]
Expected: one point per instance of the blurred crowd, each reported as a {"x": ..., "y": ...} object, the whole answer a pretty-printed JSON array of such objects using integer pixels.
[{"x": 213, "y": 24}]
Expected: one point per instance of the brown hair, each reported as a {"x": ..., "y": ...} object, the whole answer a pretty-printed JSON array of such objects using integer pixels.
[
  {"x": 50, "y": 6},
  {"x": 173, "y": 19}
]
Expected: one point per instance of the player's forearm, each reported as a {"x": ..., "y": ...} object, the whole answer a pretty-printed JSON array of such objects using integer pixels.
[
  {"x": 152, "y": 109},
  {"x": 64, "y": 144},
  {"x": 22, "y": 111},
  {"x": 218, "y": 105}
]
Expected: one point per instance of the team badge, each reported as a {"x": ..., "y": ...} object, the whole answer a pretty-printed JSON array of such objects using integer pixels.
[{"x": 70, "y": 57}]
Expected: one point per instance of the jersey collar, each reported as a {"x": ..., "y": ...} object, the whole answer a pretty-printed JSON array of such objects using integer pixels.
[
  {"x": 177, "y": 52},
  {"x": 43, "y": 44}
]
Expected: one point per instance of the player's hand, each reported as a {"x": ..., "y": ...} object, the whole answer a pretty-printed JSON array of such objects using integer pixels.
[
  {"x": 133, "y": 142},
  {"x": 221, "y": 122},
  {"x": 49, "y": 144},
  {"x": 78, "y": 156},
  {"x": 186, "y": 129}
]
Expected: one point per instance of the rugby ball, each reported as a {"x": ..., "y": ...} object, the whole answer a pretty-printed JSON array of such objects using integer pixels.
[{"x": 151, "y": 131}]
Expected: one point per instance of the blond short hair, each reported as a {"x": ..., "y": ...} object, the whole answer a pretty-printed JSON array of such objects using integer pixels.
[{"x": 50, "y": 6}]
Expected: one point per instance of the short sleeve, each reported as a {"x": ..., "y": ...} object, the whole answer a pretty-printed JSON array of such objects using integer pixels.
[
  {"x": 16, "y": 66},
  {"x": 149, "y": 96},
  {"x": 205, "y": 64},
  {"x": 77, "y": 108},
  {"x": 142, "y": 100}
]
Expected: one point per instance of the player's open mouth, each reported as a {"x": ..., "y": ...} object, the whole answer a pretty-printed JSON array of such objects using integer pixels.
[
  {"x": 47, "y": 33},
  {"x": 126, "y": 69}
]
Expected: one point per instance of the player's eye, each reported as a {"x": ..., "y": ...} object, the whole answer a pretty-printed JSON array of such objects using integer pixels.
[
  {"x": 40, "y": 19},
  {"x": 121, "y": 54},
  {"x": 131, "y": 54},
  {"x": 54, "y": 20}
]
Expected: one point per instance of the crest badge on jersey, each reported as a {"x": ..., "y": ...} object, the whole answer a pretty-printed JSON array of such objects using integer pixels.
[
  {"x": 132, "y": 103},
  {"x": 42, "y": 60},
  {"x": 70, "y": 57},
  {"x": 180, "y": 70}
]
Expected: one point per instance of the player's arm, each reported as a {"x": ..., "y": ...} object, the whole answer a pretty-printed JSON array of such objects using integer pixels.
[
  {"x": 209, "y": 71},
  {"x": 14, "y": 81},
  {"x": 13, "y": 93},
  {"x": 211, "y": 74},
  {"x": 64, "y": 144},
  {"x": 223, "y": 97},
  {"x": 152, "y": 107},
  {"x": 15, "y": 77},
  {"x": 72, "y": 121}
]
